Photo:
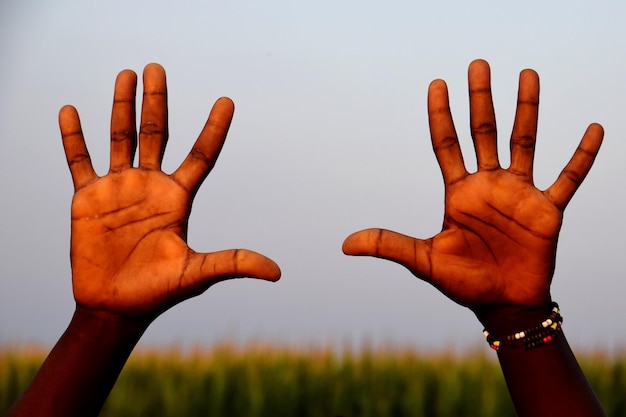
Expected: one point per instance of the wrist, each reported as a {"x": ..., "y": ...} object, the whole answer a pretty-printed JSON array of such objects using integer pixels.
[
  {"x": 108, "y": 327},
  {"x": 530, "y": 337},
  {"x": 505, "y": 320}
]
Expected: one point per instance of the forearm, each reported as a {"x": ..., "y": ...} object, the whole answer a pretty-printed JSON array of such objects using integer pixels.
[
  {"x": 81, "y": 369},
  {"x": 545, "y": 380}
]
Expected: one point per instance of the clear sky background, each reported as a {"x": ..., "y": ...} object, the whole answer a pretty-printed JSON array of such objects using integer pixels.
[{"x": 330, "y": 136}]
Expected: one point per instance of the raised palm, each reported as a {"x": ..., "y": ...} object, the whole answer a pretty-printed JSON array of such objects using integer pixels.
[
  {"x": 498, "y": 242},
  {"x": 128, "y": 247}
]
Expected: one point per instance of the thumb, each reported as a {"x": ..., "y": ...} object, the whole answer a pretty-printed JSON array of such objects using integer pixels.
[
  {"x": 206, "y": 269},
  {"x": 412, "y": 253}
]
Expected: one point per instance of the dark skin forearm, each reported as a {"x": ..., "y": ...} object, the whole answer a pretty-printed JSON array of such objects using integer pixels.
[
  {"x": 544, "y": 381},
  {"x": 496, "y": 251},
  {"x": 548, "y": 395},
  {"x": 86, "y": 362},
  {"x": 130, "y": 259}
]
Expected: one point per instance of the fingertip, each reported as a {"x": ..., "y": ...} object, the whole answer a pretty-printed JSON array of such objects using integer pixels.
[
  {"x": 596, "y": 129},
  {"x": 529, "y": 73},
  {"x": 437, "y": 84},
  {"x": 348, "y": 244},
  {"x": 359, "y": 242},
  {"x": 479, "y": 66},
  {"x": 225, "y": 102},
  {"x": 127, "y": 74},
  {"x": 479, "y": 61},
  {"x": 206, "y": 269},
  {"x": 252, "y": 264},
  {"x": 593, "y": 137},
  {"x": 154, "y": 78},
  {"x": 270, "y": 270},
  {"x": 437, "y": 95},
  {"x": 223, "y": 107},
  {"x": 528, "y": 87},
  {"x": 69, "y": 121},
  {"x": 67, "y": 110},
  {"x": 126, "y": 81},
  {"x": 154, "y": 67}
]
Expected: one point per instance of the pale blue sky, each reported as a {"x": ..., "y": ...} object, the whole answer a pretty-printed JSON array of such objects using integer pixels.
[{"x": 330, "y": 136}]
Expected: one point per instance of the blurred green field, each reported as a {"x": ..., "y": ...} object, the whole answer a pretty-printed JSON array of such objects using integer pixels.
[{"x": 272, "y": 381}]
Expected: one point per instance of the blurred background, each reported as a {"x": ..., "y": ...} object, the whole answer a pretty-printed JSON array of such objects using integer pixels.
[{"x": 330, "y": 136}]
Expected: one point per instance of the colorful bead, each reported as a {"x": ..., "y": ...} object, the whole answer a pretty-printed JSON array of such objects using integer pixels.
[{"x": 533, "y": 337}]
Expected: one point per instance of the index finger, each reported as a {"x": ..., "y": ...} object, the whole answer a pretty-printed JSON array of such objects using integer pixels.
[
  {"x": 203, "y": 155},
  {"x": 443, "y": 134}
]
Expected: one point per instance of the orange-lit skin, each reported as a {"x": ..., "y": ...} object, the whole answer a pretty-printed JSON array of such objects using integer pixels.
[
  {"x": 130, "y": 260},
  {"x": 128, "y": 249},
  {"x": 496, "y": 251}
]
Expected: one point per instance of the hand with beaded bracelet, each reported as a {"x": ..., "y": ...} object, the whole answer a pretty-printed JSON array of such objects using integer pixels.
[{"x": 496, "y": 251}]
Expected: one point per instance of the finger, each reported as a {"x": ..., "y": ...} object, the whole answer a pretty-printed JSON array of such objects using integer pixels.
[
  {"x": 153, "y": 129},
  {"x": 75, "y": 149},
  {"x": 482, "y": 116},
  {"x": 123, "y": 129},
  {"x": 563, "y": 189},
  {"x": 205, "y": 151},
  {"x": 412, "y": 253},
  {"x": 205, "y": 269},
  {"x": 443, "y": 135},
  {"x": 524, "y": 133}
]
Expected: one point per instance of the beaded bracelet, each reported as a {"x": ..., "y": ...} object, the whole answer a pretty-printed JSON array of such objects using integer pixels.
[{"x": 531, "y": 338}]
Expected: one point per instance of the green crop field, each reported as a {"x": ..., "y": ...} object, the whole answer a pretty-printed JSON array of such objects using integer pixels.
[{"x": 272, "y": 381}]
